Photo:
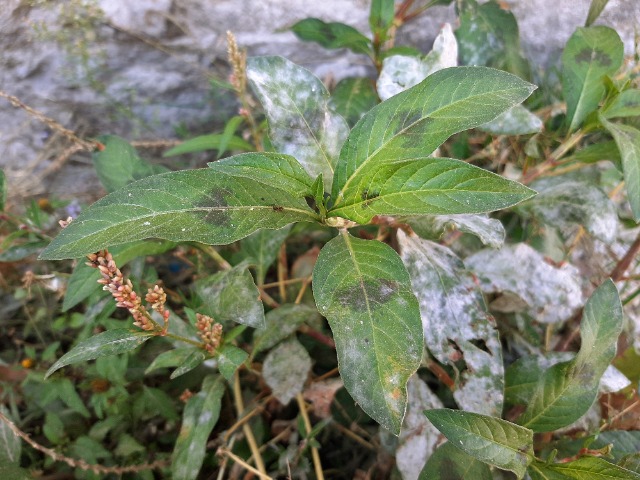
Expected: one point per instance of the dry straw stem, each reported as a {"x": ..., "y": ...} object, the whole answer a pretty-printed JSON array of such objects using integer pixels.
[{"x": 72, "y": 462}]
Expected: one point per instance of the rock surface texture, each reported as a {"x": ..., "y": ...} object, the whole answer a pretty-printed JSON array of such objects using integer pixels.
[{"x": 142, "y": 69}]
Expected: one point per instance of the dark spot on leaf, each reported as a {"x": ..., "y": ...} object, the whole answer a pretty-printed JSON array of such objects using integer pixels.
[
  {"x": 366, "y": 340},
  {"x": 215, "y": 204},
  {"x": 372, "y": 292},
  {"x": 277, "y": 208},
  {"x": 368, "y": 197},
  {"x": 583, "y": 56},
  {"x": 587, "y": 55}
]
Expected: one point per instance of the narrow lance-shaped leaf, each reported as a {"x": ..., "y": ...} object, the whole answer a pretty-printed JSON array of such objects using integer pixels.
[
  {"x": 332, "y": 35},
  {"x": 595, "y": 9},
  {"x": 3, "y": 189},
  {"x": 111, "y": 342},
  {"x": 211, "y": 205},
  {"x": 381, "y": 16},
  {"x": 627, "y": 139},
  {"x": 300, "y": 121},
  {"x": 412, "y": 124},
  {"x": 491, "y": 440},
  {"x": 427, "y": 186},
  {"x": 626, "y": 104},
  {"x": 364, "y": 291},
  {"x": 455, "y": 319},
  {"x": 584, "y": 468},
  {"x": 200, "y": 415},
  {"x": 213, "y": 141},
  {"x": 566, "y": 390},
  {"x": 590, "y": 54}
]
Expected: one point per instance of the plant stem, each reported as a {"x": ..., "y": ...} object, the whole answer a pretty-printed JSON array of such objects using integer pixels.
[
  {"x": 185, "y": 340},
  {"x": 213, "y": 253},
  {"x": 251, "y": 440},
  {"x": 317, "y": 465}
]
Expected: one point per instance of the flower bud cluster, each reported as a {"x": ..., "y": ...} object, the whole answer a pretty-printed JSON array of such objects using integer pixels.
[
  {"x": 122, "y": 290},
  {"x": 210, "y": 332}
]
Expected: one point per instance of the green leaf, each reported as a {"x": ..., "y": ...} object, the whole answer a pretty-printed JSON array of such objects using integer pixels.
[
  {"x": 353, "y": 97},
  {"x": 450, "y": 463},
  {"x": 565, "y": 204},
  {"x": 584, "y": 468},
  {"x": 400, "y": 72},
  {"x": 84, "y": 279},
  {"x": 332, "y": 35},
  {"x": 3, "y": 190},
  {"x": 280, "y": 171},
  {"x": 111, "y": 342},
  {"x": 521, "y": 377},
  {"x": 624, "y": 443},
  {"x": 626, "y": 104},
  {"x": 229, "y": 129},
  {"x": 10, "y": 443},
  {"x": 229, "y": 360},
  {"x": 195, "y": 359},
  {"x": 381, "y": 17},
  {"x": 280, "y": 323},
  {"x": 262, "y": 248},
  {"x": 364, "y": 291},
  {"x": 200, "y": 415},
  {"x": 412, "y": 124},
  {"x": 597, "y": 152},
  {"x": 214, "y": 141},
  {"x": 300, "y": 121},
  {"x": 285, "y": 370},
  {"x": 454, "y": 320},
  {"x": 11, "y": 471},
  {"x": 170, "y": 358},
  {"x": 515, "y": 121},
  {"x": 431, "y": 186},
  {"x": 118, "y": 164},
  {"x": 488, "y": 35},
  {"x": 22, "y": 251},
  {"x": 627, "y": 139},
  {"x": 212, "y": 205},
  {"x": 590, "y": 54},
  {"x": 595, "y": 9},
  {"x": 490, "y": 440},
  {"x": 566, "y": 390},
  {"x": 231, "y": 295},
  {"x": 432, "y": 227}
]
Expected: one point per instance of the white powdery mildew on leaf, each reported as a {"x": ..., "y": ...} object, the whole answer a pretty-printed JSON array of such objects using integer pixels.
[
  {"x": 400, "y": 72},
  {"x": 455, "y": 322},
  {"x": 551, "y": 294},
  {"x": 285, "y": 370},
  {"x": 567, "y": 204},
  {"x": 515, "y": 121},
  {"x": 489, "y": 230},
  {"x": 418, "y": 438},
  {"x": 300, "y": 122}
]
